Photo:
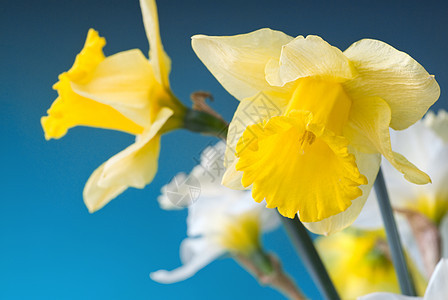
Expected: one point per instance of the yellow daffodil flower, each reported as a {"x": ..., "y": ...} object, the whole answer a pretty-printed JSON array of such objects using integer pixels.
[
  {"x": 125, "y": 92},
  {"x": 359, "y": 263},
  {"x": 313, "y": 120}
]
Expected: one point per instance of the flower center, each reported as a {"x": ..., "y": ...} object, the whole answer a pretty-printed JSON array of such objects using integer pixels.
[
  {"x": 434, "y": 208},
  {"x": 241, "y": 234},
  {"x": 326, "y": 100},
  {"x": 306, "y": 140}
]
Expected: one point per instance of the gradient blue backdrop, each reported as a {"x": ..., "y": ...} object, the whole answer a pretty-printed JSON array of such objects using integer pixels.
[{"x": 50, "y": 246}]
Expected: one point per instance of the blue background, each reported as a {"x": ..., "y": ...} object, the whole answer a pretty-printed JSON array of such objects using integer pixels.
[{"x": 50, "y": 246}]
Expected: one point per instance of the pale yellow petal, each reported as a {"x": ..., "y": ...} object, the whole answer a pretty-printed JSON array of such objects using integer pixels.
[
  {"x": 369, "y": 123},
  {"x": 135, "y": 166},
  {"x": 394, "y": 76},
  {"x": 232, "y": 177},
  {"x": 160, "y": 61},
  {"x": 310, "y": 56},
  {"x": 238, "y": 62},
  {"x": 368, "y": 165},
  {"x": 124, "y": 81},
  {"x": 250, "y": 111},
  {"x": 95, "y": 196}
]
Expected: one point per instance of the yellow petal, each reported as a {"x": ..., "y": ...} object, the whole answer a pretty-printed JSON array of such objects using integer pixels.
[
  {"x": 310, "y": 56},
  {"x": 368, "y": 165},
  {"x": 300, "y": 167},
  {"x": 250, "y": 111},
  {"x": 124, "y": 81},
  {"x": 135, "y": 166},
  {"x": 70, "y": 110},
  {"x": 238, "y": 62},
  {"x": 369, "y": 123},
  {"x": 394, "y": 76},
  {"x": 88, "y": 59},
  {"x": 160, "y": 61}
]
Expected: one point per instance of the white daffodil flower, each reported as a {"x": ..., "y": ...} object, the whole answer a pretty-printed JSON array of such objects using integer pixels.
[{"x": 220, "y": 220}]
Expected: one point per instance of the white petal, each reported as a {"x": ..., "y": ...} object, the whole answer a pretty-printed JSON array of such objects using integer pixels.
[
  {"x": 170, "y": 193},
  {"x": 370, "y": 216},
  {"x": 195, "y": 255},
  {"x": 368, "y": 165},
  {"x": 438, "y": 123},
  {"x": 387, "y": 296},
  {"x": 208, "y": 214},
  {"x": 238, "y": 62},
  {"x": 438, "y": 284},
  {"x": 394, "y": 76},
  {"x": 428, "y": 151},
  {"x": 270, "y": 218},
  {"x": 438, "y": 170},
  {"x": 418, "y": 143}
]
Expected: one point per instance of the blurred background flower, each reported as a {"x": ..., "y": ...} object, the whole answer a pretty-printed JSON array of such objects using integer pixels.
[
  {"x": 422, "y": 211},
  {"x": 220, "y": 220},
  {"x": 437, "y": 287}
]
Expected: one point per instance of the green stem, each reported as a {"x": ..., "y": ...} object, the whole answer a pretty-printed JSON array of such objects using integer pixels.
[
  {"x": 306, "y": 250},
  {"x": 393, "y": 237},
  {"x": 205, "y": 123}
]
